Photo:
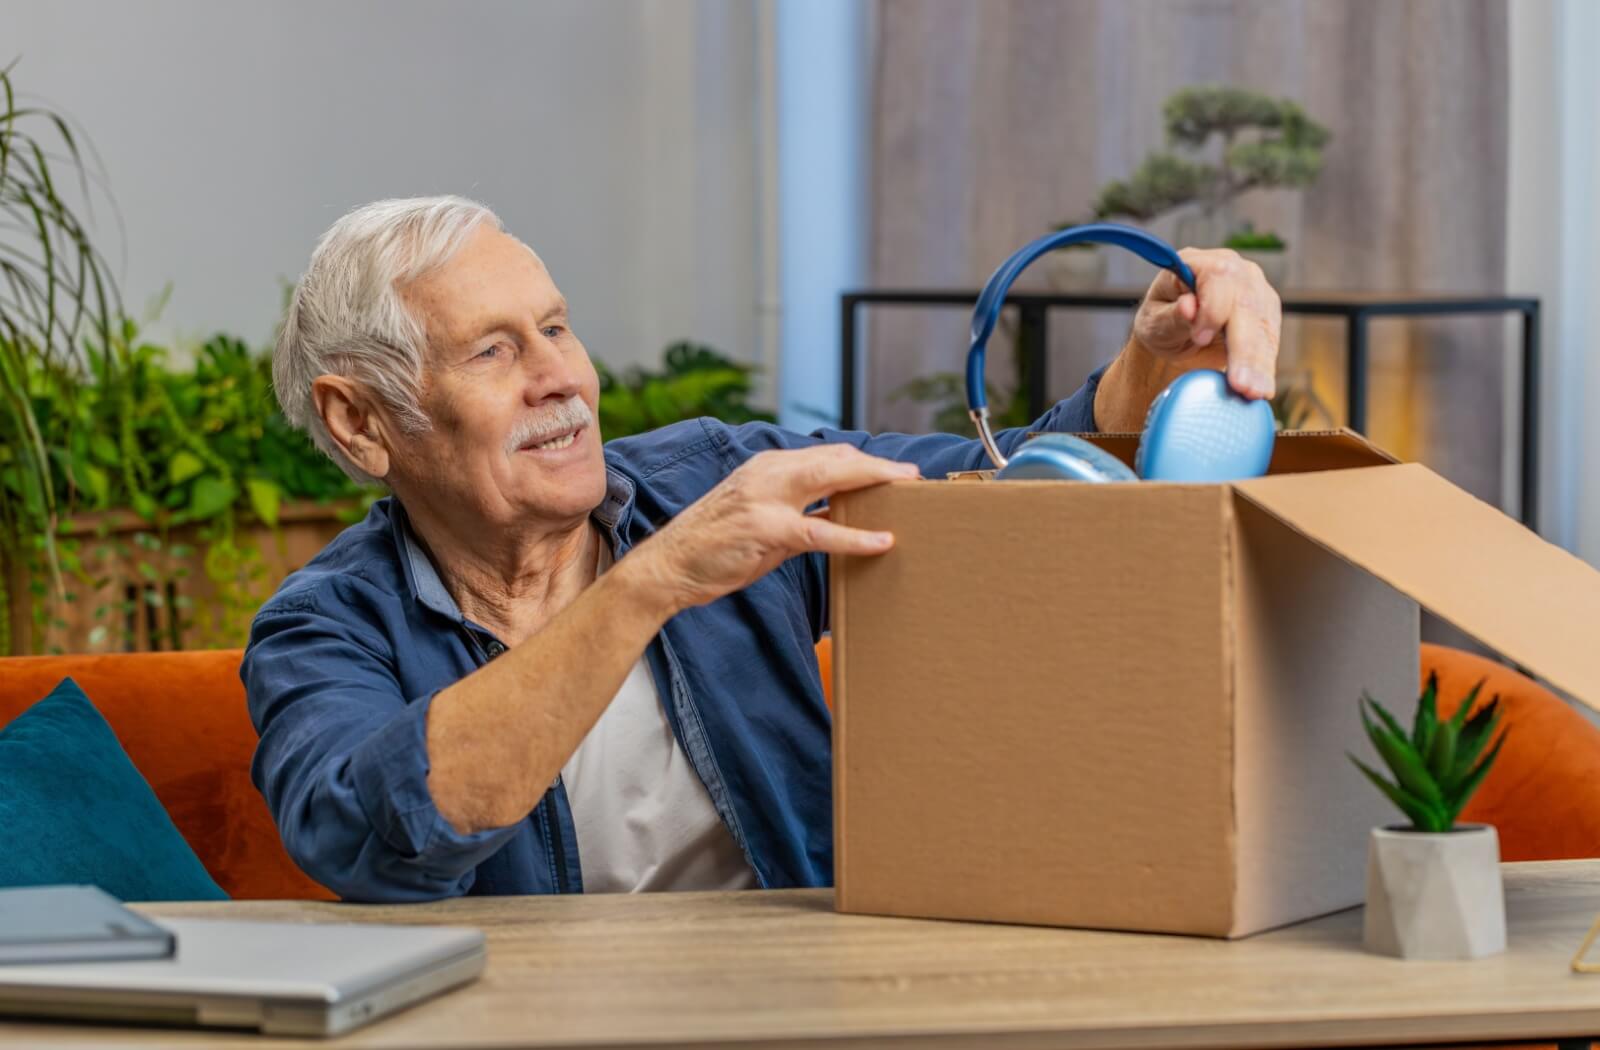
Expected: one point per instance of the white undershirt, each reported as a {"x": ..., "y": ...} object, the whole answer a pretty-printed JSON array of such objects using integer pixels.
[{"x": 644, "y": 819}]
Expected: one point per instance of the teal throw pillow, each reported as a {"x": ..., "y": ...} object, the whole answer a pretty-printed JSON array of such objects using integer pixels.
[{"x": 73, "y": 809}]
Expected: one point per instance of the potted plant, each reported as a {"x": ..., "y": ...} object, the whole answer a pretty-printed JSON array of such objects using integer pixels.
[
  {"x": 1266, "y": 249},
  {"x": 1433, "y": 886},
  {"x": 1258, "y": 142},
  {"x": 56, "y": 291},
  {"x": 695, "y": 380}
]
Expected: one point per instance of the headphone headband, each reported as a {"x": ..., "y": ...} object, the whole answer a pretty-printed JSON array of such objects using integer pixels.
[{"x": 987, "y": 312}]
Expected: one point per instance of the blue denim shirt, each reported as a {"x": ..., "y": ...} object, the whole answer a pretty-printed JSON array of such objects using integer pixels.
[{"x": 344, "y": 660}]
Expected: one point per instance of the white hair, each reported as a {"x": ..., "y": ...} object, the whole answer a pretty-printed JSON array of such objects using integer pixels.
[{"x": 346, "y": 317}]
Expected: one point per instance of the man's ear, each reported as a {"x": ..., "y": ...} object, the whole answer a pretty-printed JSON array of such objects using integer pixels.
[{"x": 353, "y": 421}]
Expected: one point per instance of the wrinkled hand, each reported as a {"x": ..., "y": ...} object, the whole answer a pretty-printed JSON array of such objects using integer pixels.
[
  {"x": 755, "y": 519},
  {"x": 1231, "y": 321}
]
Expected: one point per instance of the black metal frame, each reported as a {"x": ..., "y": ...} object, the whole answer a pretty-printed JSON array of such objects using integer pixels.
[{"x": 1034, "y": 327}]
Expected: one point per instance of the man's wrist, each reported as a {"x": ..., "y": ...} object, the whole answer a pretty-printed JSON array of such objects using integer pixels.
[
  {"x": 643, "y": 588},
  {"x": 1129, "y": 385}
]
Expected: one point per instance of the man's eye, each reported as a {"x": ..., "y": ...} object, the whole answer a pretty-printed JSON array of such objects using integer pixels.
[
  {"x": 489, "y": 353},
  {"x": 553, "y": 331}
]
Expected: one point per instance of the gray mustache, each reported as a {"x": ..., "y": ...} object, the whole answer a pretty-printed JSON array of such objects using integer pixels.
[{"x": 563, "y": 416}]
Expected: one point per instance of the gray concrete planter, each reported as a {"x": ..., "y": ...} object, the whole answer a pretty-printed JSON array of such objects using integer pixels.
[
  {"x": 1435, "y": 896},
  {"x": 1274, "y": 264},
  {"x": 1076, "y": 269}
]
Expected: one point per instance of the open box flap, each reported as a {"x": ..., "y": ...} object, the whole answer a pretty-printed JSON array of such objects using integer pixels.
[{"x": 1455, "y": 555}]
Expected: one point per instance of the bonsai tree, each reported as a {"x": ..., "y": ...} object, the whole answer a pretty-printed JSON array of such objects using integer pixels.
[
  {"x": 1438, "y": 766},
  {"x": 1262, "y": 143}
]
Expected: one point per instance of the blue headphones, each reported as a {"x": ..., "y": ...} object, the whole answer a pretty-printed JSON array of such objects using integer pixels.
[{"x": 1197, "y": 430}]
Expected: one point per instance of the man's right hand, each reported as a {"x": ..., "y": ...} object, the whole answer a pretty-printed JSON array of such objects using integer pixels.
[
  {"x": 755, "y": 519},
  {"x": 498, "y": 737}
]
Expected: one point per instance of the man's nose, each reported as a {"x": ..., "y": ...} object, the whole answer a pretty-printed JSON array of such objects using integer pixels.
[{"x": 549, "y": 373}]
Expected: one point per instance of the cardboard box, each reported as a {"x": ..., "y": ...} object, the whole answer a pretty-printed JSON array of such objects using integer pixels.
[{"x": 1129, "y": 706}]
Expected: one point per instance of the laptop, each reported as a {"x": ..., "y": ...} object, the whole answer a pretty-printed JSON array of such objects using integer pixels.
[{"x": 279, "y": 978}]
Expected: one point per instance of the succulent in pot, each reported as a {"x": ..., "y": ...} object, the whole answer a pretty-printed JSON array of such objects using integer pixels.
[{"x": 1433, "y": 885}]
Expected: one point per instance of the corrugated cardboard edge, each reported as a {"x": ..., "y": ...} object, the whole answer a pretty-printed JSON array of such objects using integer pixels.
[
  {"x": 836, "y": 617},
  {"x": 1230, "y": 701},
  {"x": 1346, "y": 435},
  {"x": 1296, "y": 451},
  {"x": 1457, "y": 556}
]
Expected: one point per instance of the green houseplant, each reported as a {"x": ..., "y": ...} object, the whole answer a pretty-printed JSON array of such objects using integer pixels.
[
  {"x": 182, "y": 489},
  {"x": 694, "y": 380},
  {"x": 105, "y": 454},
  {"x": 1258, "y": 142},
  {"x": 1222, "y": 142},
  {"x": 187, "y": 495},
  {"x": 1433, "y": 886},
  {"x": 55, "y": 290}
]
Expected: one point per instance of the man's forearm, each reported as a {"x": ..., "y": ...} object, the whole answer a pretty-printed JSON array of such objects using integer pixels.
[
  {"x": 1129, "y": 385},
  {"x": 498, "y": 738}
]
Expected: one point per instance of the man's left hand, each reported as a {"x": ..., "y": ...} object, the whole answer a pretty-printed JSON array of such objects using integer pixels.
[{"x": 1230, "y": 321}]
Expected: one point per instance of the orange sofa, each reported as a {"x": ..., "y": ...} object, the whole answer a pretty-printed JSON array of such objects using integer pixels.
[{"x": 181, "y": 717}]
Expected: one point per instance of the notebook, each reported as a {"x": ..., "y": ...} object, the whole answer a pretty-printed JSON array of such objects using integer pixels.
[{"x": 48, "y": 924}]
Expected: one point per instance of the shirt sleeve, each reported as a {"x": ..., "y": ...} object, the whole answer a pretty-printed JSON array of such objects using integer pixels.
[{"x": 343, "y": 762}]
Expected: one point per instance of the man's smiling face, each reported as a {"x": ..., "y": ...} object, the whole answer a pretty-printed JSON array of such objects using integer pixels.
[{"x": 509, "y": 389}]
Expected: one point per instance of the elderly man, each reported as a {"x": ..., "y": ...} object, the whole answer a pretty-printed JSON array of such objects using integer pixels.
[{"x": 544, "y": 664}]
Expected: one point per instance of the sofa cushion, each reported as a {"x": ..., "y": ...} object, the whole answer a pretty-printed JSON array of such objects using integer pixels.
[
  {"x": 181, "y": 717},
  {"x": 75, "y": 810}
]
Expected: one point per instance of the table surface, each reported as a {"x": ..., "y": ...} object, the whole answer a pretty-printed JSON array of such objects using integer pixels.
[{"x": 781, "y": 969}]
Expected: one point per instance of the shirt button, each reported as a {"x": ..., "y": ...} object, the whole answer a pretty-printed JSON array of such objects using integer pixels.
[{"x": 494, "y": 649}]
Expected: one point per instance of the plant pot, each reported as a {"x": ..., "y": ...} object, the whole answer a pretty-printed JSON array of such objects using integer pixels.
[
  {"x": 128, "y": 598},
  {"x": 1274, "y": 264},
  {"x": 1435, "y": 895},
  {"x": 1075, "y": 269}
]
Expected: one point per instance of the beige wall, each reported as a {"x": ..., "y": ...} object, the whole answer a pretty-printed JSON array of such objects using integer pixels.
[{"x": 617, "y": 136}]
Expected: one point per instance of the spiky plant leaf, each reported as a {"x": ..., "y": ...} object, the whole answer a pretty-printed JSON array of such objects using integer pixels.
[
  {"x": 1474, "y": 738},
  {"x": 1475, "y": 733},
  {"x": 1441, "y": 755},
  {"x": 1404, "y": 762},
  {"x": 1432, "y": 785},
  {"x": 1423, "y": 816},
  {"x": 1469, "y": 784},
  {"x": 1388, "y": 719},
  {"x": 1426, "y": 719},
  {"x": 1464, "y": 709}
]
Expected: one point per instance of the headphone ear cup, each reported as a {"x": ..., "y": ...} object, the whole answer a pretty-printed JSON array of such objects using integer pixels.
[
  {"x": 1200, "y": 431},
  {"x": 1062, "y": 457}
]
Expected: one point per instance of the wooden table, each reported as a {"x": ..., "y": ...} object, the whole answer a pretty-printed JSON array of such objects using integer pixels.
[{"x": 781, "y": 969}]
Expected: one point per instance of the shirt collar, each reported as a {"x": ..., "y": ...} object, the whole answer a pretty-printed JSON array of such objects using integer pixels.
[{"x": 423, "y": 578}]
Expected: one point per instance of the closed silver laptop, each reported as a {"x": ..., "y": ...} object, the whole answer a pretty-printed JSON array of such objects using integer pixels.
[{"x": 278, "y": 978}]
